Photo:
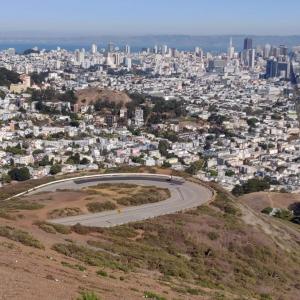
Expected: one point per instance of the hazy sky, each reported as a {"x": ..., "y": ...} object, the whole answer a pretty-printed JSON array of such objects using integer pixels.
[{"x": 135, "y": 17}]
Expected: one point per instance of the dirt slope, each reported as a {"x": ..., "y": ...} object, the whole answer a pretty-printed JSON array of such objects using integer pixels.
[
  {"x": 222, "y": 251},
  {"x": 89, "y": 95}
]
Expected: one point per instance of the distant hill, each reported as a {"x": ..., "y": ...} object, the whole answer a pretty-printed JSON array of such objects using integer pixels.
[
  {"x": 8, "y": 77},
  {"x": 89, "y": 95}
]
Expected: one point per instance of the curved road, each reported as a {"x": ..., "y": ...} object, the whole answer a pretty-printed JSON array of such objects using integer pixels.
[{"x": 184, "y": 195}]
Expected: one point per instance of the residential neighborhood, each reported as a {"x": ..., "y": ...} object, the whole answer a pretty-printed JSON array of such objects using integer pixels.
[{"x": 223, "y": 117}]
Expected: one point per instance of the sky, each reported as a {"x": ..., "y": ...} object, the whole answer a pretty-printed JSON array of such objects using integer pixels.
[{"x": 142, "y": 17}]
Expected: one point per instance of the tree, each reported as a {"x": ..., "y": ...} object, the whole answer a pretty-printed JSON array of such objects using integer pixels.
[
  {"x": 196, "y": 166},
  {"x": 163, "y": 147},
  {"x": 6, "y": 178},
  {"x": 251, "y": 186},
  {"x": 213, "y": 173},
  {"x": 45, "y": 161},
  {"x": 229, "y": 173},
  {"x": 74, "y": 159},
  {"x": 238, "y": 190},
  {"x": 39, "y": 78},
  {"x": 2, "y": 95},
  {"x": 68, "y": 96},
  {"x": 252, "y": 122},
  {"x": 166, "y": 165},
  {"x": 55, "y": 169},
  {"x": 19, "y": 174},
  {"x": 137, "y": 160},
  {"x": 8, "y": 77},
  {"x": 84, "y": 161}
]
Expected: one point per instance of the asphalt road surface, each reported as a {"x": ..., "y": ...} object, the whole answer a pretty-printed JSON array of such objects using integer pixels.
[{"x": 184, "y": 195}]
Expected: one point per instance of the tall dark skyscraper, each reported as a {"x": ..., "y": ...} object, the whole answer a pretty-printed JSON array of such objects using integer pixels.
[{"x": 248, "y": 44}]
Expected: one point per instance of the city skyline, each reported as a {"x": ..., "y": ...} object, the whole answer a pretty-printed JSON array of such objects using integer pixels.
[{"x": 138, "y": 18}]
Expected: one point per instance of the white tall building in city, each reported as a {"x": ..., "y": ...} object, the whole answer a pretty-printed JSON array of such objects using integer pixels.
[
  {"x": 267, "y": 50},
  {"x": 128, "y": 63},
  {"x": 127, "y": 49},
  {"x": 230, "y": 50},
  {"x": 94, "y": 49},
  {"x": 164, "y": 49}
]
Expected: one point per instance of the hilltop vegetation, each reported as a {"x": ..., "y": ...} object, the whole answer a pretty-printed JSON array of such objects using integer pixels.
[{"x": 8, "y": 77}]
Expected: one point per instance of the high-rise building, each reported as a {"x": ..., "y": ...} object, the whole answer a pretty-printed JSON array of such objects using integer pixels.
[
  {"x": 164, "y": 49},
  {"x": 271, "y": 68},
  {"x": 267, "y": 50},
  {"x": 127, "y": 49},
  {"x": 128, "y": 63},
  {"x": 278, "y": 68},
  {"x": 110, "y": 47},
  {"x": 94, "y": 48},
  {"x": 275, "y": 51},
  {"x": 283, "y": 50},
  {"x": 251, "y": 62},
  {"x": 248, "y": 43},
  {"x": 117, "y": 59},
  {"x": 230, "y": 50}
]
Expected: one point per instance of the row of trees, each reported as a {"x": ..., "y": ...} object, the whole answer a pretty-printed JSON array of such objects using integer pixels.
[
  {"x": 23, "y": 173},
  {"x": 251, "y": 186}
]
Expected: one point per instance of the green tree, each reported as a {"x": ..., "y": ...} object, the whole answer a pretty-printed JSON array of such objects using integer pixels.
[
  {"x": 55, "y": 169},
  {"x": 84, "y": 161},
  {"x": 196, "y": 166},
  {"x": 251, "y": 186},
  {"x": 8, "y": 77},
  {"x": 19, "y": 174},
  {"x": 229, "y": 173},
  {"x": 45, "y": 161},
  {"x": 163, "y": 147}
]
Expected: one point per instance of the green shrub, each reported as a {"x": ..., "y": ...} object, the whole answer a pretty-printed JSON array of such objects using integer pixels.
[
  {"x": 61, "y": 228},
  {"x": 284, "y": 214},
  {"x": 102, "y": 273},
  {"x": 5, "y": 215},
  {"x": 265, "y": 297},
  {"x": 151, "y": 295},
  {"x": 47, "y": 228},
  {"x": 88, "y": 296},
  {"x": 99, "y": 207},
  {"x": 267, "y": 210},
  {"x": 75, "y": 267},
  {"x": 19, "y": 204},
  {"x": 20, "y": 236}
]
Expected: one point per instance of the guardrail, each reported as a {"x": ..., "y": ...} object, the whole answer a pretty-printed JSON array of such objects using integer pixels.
[{"x": 113, "y": 175}]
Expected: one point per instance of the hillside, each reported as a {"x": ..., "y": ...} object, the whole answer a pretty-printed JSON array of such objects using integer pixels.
[
  {"x": 224, "y": 250},
  {"x": 89, "y": 95},
  {"x": 261, "y": 200}
]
